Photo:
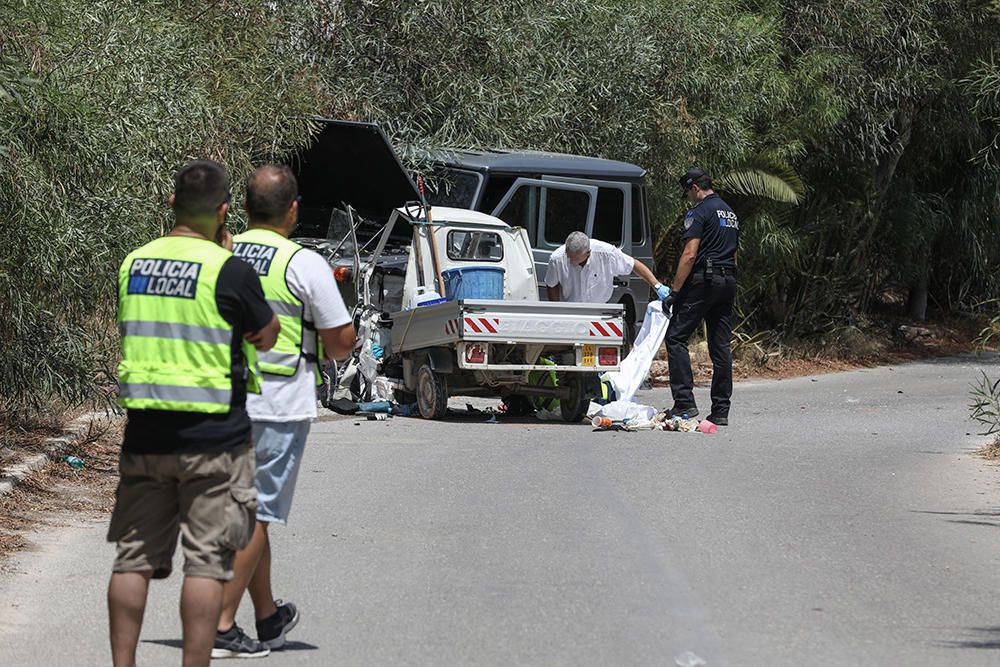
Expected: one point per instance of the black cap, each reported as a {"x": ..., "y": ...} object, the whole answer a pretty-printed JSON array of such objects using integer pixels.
[{"x": 691, "y": 176}]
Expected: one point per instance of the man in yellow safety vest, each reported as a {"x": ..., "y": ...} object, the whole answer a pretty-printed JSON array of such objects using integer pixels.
[{"x": 191, "y": 318}]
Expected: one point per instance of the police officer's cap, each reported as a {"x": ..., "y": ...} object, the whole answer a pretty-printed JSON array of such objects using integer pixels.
[{"x": 692, "y": 176}]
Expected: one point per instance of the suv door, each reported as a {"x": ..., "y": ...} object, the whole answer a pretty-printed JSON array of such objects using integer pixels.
[
  {"x": 613, "y": 211},
  {"x": 549, "y": 211},
  {"x": 614, "y": 224}
]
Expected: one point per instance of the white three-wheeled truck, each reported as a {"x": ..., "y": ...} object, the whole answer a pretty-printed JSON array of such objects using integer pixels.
[
  {"x": 483, "y": 331},
  {"x": 446, "y": 303}
]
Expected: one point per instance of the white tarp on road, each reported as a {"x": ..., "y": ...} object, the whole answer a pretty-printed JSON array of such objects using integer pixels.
[{"x": 635, "y": 367}]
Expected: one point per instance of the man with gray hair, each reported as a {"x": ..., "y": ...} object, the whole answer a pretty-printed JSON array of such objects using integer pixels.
[
  {"x": 584, "y": 270},
  {"x": 303, "y": 293}
]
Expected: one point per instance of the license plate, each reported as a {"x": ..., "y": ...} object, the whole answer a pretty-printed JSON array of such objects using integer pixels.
[{"x": 588, "y": 355}]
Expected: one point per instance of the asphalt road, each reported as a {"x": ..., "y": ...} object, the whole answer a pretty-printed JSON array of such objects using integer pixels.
[{"x": 841, "y": 520}]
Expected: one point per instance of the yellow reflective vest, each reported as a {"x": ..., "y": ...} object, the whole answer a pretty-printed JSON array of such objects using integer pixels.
[
  {"x": 269, "y": 253},
  {"x": 176, "y": 346},
  {"x": 544, "y": 379}
]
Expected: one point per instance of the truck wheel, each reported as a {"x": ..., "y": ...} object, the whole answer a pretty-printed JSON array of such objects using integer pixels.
[
  {"x": 574, "y": 406},
  {"x": 432, "y": 393}
]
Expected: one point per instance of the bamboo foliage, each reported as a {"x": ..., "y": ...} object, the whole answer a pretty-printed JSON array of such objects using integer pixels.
[
  {"x": 858, "y": 142},
  {"x": 102, "y": 102}
]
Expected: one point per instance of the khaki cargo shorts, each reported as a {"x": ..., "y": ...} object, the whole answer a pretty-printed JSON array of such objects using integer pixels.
[{"x": 208, "y": 499}]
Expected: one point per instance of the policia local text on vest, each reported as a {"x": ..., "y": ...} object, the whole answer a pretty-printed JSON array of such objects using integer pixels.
[
  {"x": 269, "y": 253},
  {"x": 176, "y": 345}
]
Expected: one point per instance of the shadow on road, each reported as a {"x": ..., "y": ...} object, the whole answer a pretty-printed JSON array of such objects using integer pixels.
[
  {"x": 987, "y": 517},
  {"x": 981, "y": 638},
  {"x": 477, "y": 416},
  {"x": 289, "y": 645},
  {"x": 966, "y": 358}
]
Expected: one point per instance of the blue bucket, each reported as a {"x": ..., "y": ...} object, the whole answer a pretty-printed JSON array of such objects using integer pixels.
[{"x": 473, "y": 282}]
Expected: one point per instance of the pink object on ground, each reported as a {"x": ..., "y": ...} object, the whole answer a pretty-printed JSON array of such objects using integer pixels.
[{"x": 707, "y": 427}]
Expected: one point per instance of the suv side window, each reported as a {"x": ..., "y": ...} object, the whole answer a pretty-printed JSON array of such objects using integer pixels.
[
  {"x": 548, "y": 211},
  {"x": 496, "y": 187},
  {"x": 609, "y": 216},
  {"x": 638, "y": 215},
  {"x": 522, "y": 210},
  {"x": 565, "y": 212}
]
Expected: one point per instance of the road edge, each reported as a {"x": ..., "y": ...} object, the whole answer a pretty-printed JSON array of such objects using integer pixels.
[{"x": 75, "y": 432}]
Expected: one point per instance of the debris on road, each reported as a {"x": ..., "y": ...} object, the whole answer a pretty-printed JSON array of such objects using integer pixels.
[
  {"x": 74, "y": 461},
  {"x": 689, "y": 659},
  {"x": 658, "y": 422},
  {"x": 375, "y": 406},
  {"x": 678, "y": 424}
]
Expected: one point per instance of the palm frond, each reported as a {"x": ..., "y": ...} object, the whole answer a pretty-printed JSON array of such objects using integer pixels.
[{"x": 759, "y": 182}]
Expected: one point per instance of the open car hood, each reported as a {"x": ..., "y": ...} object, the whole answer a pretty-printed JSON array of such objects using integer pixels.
[{"x": 353, "y": 163}]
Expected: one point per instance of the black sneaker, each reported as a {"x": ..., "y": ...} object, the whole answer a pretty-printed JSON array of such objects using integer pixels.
[
  {"x": 683, "y": 412},
  {"x": 234, "y": 643},
  {"x": 271, "y": 631},
  {"x": 719, "y": 420}
]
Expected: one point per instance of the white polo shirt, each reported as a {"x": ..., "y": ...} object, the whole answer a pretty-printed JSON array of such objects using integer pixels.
[
  {"x": 594, "y": 282},
  {"x": 293, "y": 398}
]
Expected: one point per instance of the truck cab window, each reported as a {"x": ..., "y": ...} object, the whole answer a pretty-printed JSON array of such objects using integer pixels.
[{"x": 475, "y": 246}]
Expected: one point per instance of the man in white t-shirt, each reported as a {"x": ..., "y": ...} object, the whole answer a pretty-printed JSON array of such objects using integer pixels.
[
  {"x": 300, "y": 288},
  {"x": 584, "y": 270}
]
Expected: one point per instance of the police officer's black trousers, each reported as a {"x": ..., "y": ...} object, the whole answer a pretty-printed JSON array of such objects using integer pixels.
[{"x": 712, "y": 301}]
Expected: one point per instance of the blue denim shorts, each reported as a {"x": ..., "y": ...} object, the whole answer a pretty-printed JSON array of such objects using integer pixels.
[{"x": 279, "y": 448}]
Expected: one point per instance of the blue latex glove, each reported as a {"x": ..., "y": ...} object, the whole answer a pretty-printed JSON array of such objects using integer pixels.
[
  {"x": 377, "y": 351},
  {"x": 662, "y": 291}
]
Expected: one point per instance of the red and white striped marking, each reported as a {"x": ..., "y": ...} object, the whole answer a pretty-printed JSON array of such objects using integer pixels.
[
  {"x": 483, "y": 324},
  {"x": 451, "y": 326},
  {"x": 605, "y": 329}
]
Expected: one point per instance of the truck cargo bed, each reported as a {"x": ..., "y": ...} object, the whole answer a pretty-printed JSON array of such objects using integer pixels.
[{"x": 480, "y": 320}]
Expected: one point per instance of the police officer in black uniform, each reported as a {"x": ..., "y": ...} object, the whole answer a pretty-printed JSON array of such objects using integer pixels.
[{"x": 704, "y": 287}]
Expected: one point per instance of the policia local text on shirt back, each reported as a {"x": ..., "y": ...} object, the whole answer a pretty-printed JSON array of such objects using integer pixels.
[{"x": 704, "y": 287}]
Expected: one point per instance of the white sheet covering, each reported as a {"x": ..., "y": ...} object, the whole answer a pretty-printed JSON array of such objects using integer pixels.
[
  {"x": 633, "y": 370},
  {"x": 635, "y": 367}
]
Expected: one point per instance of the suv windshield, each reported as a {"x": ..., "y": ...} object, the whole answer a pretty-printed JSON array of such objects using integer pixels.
[{"x": 453, "y": 187}]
